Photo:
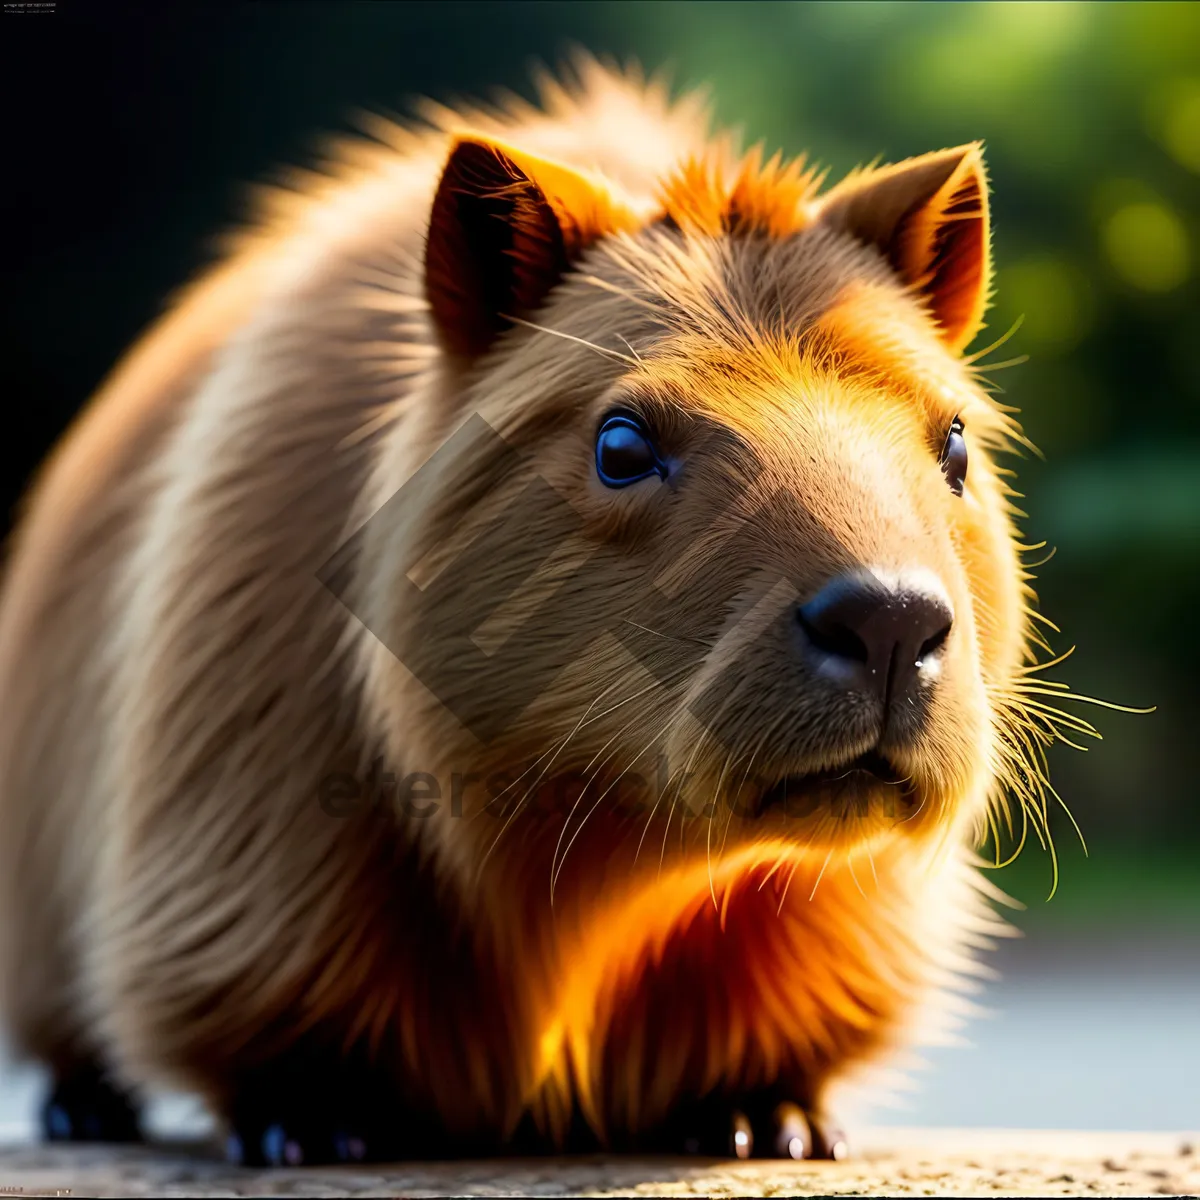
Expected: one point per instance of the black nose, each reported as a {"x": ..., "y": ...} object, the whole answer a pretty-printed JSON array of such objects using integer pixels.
[{"x": 877, "y": 637}]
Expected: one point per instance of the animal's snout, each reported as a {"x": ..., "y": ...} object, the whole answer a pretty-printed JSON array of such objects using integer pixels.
[{"x": 877, "y": 635}]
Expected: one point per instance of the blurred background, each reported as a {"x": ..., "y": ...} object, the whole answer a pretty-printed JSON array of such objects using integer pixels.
[{"x": 132, "y": 132}]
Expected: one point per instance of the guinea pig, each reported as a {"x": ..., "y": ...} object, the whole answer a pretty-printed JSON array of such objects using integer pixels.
[{"x": 521, "y": 655}]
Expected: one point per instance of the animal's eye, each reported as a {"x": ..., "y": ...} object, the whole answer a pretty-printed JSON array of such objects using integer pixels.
[
  {"x": 625, "y": 453},
  {"x": 953, "y": 458}
]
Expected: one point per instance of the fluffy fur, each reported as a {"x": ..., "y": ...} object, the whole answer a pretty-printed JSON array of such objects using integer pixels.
[{"x": 179, "y": 682}]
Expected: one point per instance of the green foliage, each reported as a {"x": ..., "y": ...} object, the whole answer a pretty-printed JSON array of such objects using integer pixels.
[{"x": 1091, "y": 118}]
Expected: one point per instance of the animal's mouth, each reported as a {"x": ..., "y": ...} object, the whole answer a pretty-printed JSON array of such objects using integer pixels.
[{"x": 856, "y": 786}]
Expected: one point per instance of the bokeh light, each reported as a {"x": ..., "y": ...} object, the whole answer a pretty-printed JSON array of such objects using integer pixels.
[
  {"x": 1054, "y": 296},
  {"x": 1174, "y": 113},
  {"x": 1147, "y": 245}
]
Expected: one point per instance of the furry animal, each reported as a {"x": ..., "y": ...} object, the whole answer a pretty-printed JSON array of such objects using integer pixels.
[{"x": 519, "y": 656}]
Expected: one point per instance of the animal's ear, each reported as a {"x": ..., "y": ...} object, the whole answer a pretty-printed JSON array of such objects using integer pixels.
[
  {"x": 505, "y": 226},
  {"x": 929, "y": 218}
]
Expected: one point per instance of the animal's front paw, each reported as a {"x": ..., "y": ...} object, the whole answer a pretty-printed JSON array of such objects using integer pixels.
[
  {"x": 310, "y": 1108},
  {"x": 757, "y": 1127},
  {"x": 293, "y": 1139},
  {"x": 788, "y": 1131},
  {"x": 85, "y": 1106}
]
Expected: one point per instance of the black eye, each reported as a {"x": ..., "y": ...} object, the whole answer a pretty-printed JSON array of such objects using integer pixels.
[
  {"x": 625, "y": 453},
  {"x": 953, "y": 458}
]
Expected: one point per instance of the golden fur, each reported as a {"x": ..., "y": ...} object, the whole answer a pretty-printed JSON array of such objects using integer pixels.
[{"x": 178, "y": 682}]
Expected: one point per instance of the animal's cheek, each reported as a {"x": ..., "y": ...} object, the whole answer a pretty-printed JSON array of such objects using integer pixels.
[
  {"x": 963, "y": 693},
  {"x": 991, "y": 574},
  {"x": 974, "y": 539},
  {"x": 950, "y": 749}
]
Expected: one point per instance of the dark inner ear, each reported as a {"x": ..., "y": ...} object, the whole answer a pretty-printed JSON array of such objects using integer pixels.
[
  {"x": 928, "y": 217},
  {"x": 960, "y": 257},
  {"x": 495, "y": 248}
]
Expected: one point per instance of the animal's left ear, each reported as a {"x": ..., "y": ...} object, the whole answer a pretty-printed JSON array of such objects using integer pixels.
[
  {"x": 929, "y": 218},
  {"x": 504, "y": 228}
]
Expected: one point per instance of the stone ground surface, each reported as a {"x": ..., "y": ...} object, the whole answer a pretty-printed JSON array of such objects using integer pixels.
[{"x": 892, "y": 1162}]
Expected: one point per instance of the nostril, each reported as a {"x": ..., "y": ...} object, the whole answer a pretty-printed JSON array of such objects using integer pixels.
[
  {"x": 876, "y": 635},
  {"x": 933, "y": 644},
  {"x": 833, "y": 638}
]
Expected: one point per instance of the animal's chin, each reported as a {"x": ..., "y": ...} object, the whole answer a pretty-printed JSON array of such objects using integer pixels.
[{"x": 866, "y": 786}]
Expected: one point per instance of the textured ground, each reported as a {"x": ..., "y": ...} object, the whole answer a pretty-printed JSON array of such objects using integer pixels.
[{"x": 892, "y": 1162}]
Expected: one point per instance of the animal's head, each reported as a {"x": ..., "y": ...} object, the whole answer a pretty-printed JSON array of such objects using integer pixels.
[{"x": 710, "y": 548}]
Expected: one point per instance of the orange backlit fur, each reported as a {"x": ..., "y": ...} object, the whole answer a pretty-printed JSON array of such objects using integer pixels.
[{"x": 177, "y": 682}]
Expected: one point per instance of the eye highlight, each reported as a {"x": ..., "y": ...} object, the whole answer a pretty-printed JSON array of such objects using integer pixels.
[
  {"x": 625, "y": 453},
  {"x": 953, "y": 458}
]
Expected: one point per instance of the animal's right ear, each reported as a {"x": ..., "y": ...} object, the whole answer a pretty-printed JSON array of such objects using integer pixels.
[
  {"x": 504, "y": 228},
  {"x": 928, "y": 216}
]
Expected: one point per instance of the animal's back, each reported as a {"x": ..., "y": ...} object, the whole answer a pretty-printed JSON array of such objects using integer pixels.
[
  {"x": 56, "y": 641},
  {"x": 194, "y": 500}
]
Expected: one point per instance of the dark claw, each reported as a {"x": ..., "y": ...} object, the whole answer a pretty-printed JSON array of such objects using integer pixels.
[
  {"x": 312, "y": 1106},
  {"x": 721, "y": 1128},
  {"x": 789, "y": 1130},
  {"x": 743, "y": 1136},
  {"x": 304, "y": 1130},
  {"x": 300, "y": 1143},
  {"x": 713, "y": 1131},
  {"x": 792, "y": 1133},
  {"x": 86, "y": 1107},
  {"x": 830, "y": 1142},
  {"x": 281, "y": 1149},
  {"x": 349, "y": 1148}
]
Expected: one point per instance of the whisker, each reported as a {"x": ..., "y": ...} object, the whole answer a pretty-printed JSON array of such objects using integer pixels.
[
  {"x": 629, "y": 344},
  {"x": 708, "y": 833},
  {"x": 990, "y": 817},
  {"x": 1020, "y": 845},
  {"x": 1041, "y": 562},
  {"x": 1020, "y": 360},
  {"x": 850, "y": 864},
  {"x": 704, "y": 736},
  {"x": 570, "y": 337},
  {"x": 669, "y": 636},
  {"x": 597, "y": 756},
  {"x": 1035, "y": 710},
  {"x": 787, "y": 886},
  {"x": 554, "y": 752},
  {"x": 605, "y": 286},
  {"x": 972, "y": 359},
  {"x": 575, "y": 835},
  {"x": 742, "y": 784},
  {"x": 1080, "y": 699},
  {"x": 1034, "y": 668},
  {"x": 820, "y": 876}
]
